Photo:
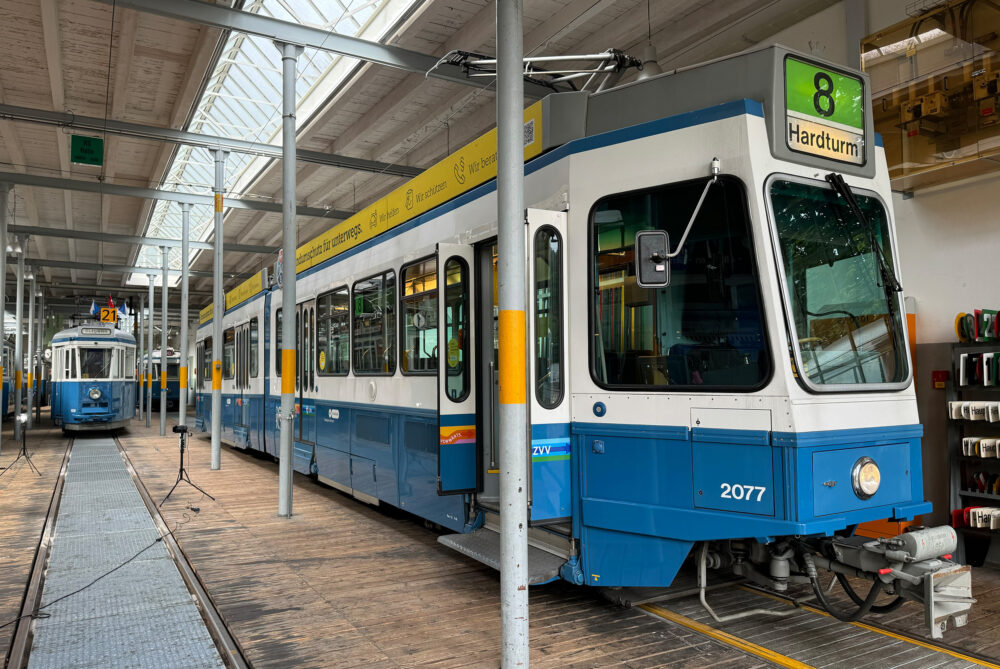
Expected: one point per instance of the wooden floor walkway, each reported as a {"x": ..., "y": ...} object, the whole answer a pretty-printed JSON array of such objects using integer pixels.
[
  {"x": 24, "y": 503},
  {"x": 342, "y": 584}
]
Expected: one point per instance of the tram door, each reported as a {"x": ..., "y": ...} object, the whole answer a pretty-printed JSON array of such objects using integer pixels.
[
  {"x": 457, "y": 429},
  {"x": 487, "y": 364},
  {"x": 549, "y": 468},
  {"x": 305, "y": 377},
  {"x": 241, "y": 415}
]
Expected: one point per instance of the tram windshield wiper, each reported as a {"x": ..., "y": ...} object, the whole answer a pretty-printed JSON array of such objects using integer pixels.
[{"x": 889, "y": 280}]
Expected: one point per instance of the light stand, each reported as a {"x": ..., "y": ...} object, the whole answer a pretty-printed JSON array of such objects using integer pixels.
[
  {"x": 22, "y": 418},
  {"x": 182, "y": 474}
]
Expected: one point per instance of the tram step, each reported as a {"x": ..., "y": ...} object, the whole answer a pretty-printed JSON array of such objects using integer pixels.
[{"x": 484, "y": 545}]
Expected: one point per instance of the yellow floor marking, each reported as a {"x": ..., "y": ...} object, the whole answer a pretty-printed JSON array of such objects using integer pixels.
[
  {"x": 879, "y": 630},
  {"x": 726, "y": 638}
]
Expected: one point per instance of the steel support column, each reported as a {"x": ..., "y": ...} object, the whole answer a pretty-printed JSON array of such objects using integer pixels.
[
  {"x": 4, "y": 199},
  {"x": 149, "y": 355},
  {"x": 164, "y": 365},
  {"x": 139, "y": 367},
  {"x": 182, "y": 381},
  {"x": 218, "y": 309},
  {"x": 289, "y": 58},
  {"x": 511, "y": 278},
  {"x": 18, "y": 330},
  {"x": 29, "y": 400}
]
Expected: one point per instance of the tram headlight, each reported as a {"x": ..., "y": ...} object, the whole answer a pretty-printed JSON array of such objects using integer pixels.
[
  {"x": 865, "y": 477},
  {"x": 95, "y": 394}
]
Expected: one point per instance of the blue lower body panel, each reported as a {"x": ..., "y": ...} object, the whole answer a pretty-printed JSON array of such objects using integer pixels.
[{"x": 645, "y": 495}]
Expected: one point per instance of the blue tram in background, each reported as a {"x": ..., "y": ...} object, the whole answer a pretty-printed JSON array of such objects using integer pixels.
[
  {"x": 173, "y": 378},
  {"x": 93, "y": 378}
]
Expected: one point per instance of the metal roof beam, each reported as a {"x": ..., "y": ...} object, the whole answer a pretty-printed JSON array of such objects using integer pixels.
[
  {"x": 63, "y": 120},
  {"x": 56, "y": 286},
  {"x": 156, "y": 194},
  {"x": 314, "y": 38},
  {"x": 106, "y": 238},
  {"x": 126, "y": 269}
]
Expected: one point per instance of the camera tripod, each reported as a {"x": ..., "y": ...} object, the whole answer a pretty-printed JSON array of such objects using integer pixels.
[
  {"x": 182, "y": 474},
  {"x": 23, "y": 453}
]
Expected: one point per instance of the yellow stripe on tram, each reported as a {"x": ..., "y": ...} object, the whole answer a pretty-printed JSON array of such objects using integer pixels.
[
  {"x": 883, "y": 632},
  {"x": 726, "y": 638}
]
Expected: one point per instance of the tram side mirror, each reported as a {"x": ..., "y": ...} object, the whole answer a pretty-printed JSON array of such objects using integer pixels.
[{"x": 651, "y": 263}]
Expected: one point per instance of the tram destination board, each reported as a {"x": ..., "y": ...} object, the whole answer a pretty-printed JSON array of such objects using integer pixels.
[{"x": 824, "y": 112}]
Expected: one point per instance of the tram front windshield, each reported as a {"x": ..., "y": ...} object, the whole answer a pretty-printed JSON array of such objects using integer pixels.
[
  {"x": 95, "y": 363},
  {"x": 839, "y": 274}
]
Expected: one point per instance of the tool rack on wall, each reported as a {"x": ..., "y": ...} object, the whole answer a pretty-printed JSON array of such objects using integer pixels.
[{"x": 967, "y": 488}]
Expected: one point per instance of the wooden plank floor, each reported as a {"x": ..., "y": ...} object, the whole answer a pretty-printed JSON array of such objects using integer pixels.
[
  {"x": 24, "y": 502},
  {"x": 342, "y": 584}
]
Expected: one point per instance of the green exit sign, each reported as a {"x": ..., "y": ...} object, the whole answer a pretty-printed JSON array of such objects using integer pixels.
[{"x": 87, "y": 150}]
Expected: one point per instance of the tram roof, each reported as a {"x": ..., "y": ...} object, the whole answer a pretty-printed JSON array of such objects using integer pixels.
[
  {"x": 167, "y": 73},
  {"x": 93, "y": 332}
]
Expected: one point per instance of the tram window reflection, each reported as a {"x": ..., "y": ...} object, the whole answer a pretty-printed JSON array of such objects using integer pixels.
[
  {"x": 229, "y": 354},
  {"x": 420, "y": 305},
  {"x": 848, "y": 324},
  {"x": 374, "y": 329},
  {"x": 548, "y": 318},
  {"x": 333, "y": 333},
  {"x": 706, "y": 329},
  {"x": 254, "y": 347},
  {"x": 456, "y": 334},
  {"x": 95, "y": 363}
]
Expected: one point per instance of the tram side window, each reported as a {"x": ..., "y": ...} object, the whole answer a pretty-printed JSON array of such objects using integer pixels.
[
  {"x": 229, "y": 354},
  {"x": 130, "y": 363},
  {"x": 206, "y": 362},
  {"x": 254, "y": 347},
  {"x": 333, "y": 333},
  {"x": 456, "y": 328},
  {"x": 375, "y": 324},
  {"x": 548, "y": 318},
  {"x": 95, "y": 363},
  {"x": 419, "y": 305},
  {"x": 277, "y": 343},
  {"x": 704, "y": 330}
]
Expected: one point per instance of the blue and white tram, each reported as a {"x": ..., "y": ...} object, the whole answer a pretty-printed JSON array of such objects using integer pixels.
[
  {"x": 732, "y": 384},
  {"x": 93, "y": 378},
  {"x": 172, "y": 379}
]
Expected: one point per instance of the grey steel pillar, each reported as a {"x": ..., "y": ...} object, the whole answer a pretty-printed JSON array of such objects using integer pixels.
[
  {"x": 218, "y": 310},
  {"x": 18, "y": 330},
  {"x": 182, "y": 399},
  {"x": 289, "y": 57},
  {"x": 31, "y": 349},
  {"x": 39, "y": 349},
  {"x": 512, "y": 280},
  {"x": 139, "y": 367},
  {"x": 149, "y": 354},
  {"x": 4, "y": 191},
  {"x": 165, "y": 253}
]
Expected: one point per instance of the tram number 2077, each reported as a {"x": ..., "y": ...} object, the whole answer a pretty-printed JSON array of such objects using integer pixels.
[{"x": 737, "y": 491}]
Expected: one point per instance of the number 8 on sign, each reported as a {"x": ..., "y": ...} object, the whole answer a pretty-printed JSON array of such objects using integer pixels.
[{"x": 824, "y": 92}]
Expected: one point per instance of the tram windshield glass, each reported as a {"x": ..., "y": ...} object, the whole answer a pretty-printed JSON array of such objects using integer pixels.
[
  {"x": 703, "y": 331},
  {"x": 95, "y": 363},
  {"x": 839, "y": 273}
]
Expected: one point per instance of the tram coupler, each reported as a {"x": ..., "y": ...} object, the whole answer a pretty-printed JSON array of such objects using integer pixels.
[{"x": 916, "y": 566}]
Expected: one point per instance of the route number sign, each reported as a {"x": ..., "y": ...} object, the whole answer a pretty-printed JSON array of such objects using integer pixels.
[
  {"x": 109, "y": 315},
  {"x": 824, "y": 112}
]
